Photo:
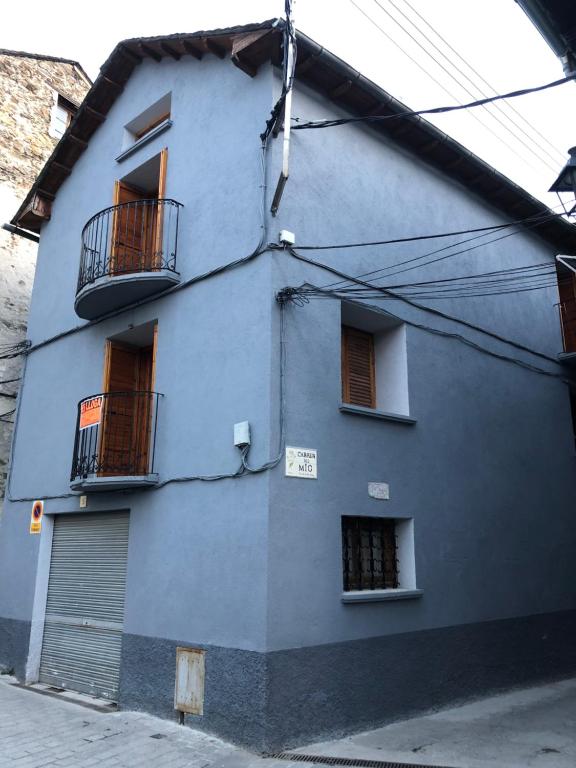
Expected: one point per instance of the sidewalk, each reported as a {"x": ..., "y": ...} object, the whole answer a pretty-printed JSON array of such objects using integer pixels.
[
  {"x": 39, "y": 731},
  {"x": 529, "y": 728}
]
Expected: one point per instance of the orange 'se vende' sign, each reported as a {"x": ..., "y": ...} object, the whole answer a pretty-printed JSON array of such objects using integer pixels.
[{"x": 90, "y": 412}]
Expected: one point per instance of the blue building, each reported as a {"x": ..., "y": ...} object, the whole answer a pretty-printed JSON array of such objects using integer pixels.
[{"x": 289, "y": 492}]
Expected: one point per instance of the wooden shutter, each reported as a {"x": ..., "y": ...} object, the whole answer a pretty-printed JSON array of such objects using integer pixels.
[
  {"x": 127, "y": 418},
  {"x": 158, "y": 236},
  {"x": 358, "y": 379},
  {"x": 130, "y": 226}
]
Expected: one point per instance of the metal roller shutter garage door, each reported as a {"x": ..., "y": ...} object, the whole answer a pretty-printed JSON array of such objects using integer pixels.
[{"x": 85, "y": 606}]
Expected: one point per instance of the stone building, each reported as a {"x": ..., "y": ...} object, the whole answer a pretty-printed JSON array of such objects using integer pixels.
[{"x": 38, "y": 96}]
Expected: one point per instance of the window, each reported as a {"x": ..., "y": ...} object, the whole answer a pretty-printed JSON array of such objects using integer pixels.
[
  {"x": 62, "y": 113},
  {"x": 374, "y": 361},
  {"x": 149, "y": 122},
  {"x": 378, "y": 559},
  {"x": 358, "y": 379},
  {"x": 369, "y": 553}
]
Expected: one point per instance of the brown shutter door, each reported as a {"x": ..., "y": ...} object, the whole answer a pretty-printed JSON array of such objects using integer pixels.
[
  {"x": 127, "y": 417},
  {"x": 358, "y": 380}
]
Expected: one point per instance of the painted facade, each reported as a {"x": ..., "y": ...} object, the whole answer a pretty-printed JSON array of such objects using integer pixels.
[
  {"x": 29, "y": 89},
  {"x": 472, "y": 433}
]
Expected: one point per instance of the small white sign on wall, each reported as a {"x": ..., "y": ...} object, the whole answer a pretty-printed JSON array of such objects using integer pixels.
[
  {"x": 301, "y": 462},
  {"x": 379, "y": 491}
]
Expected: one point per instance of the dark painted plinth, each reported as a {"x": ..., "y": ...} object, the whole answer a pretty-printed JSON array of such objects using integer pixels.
[
  {"x": 234, "y": 704},
  {"x": 268, "y": 702},
  {"x": 332, "y": 690},
  {"x": 14, "y": 641}
]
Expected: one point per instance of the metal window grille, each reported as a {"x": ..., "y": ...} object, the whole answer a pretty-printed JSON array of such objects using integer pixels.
[{"x": 369, "y": 553}]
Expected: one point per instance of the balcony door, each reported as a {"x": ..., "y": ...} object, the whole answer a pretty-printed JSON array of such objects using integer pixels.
[
  {"x": 137, "y": 225},
  {"x": 128, "y": 405}
]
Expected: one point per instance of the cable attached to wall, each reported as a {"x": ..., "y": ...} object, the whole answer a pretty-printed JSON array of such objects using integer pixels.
[
  {"x": 245, "y": 468},
  {"x": 299, "y": 298},
  {"x": 430, "y": 310}
]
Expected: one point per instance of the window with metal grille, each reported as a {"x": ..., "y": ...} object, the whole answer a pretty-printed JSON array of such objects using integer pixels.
[{"x": 369, "y": 553}]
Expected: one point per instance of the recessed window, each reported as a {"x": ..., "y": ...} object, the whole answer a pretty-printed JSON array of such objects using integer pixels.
[
  {"x": 377, "y": 554},
  {"x": 374, "y": 361},
  {"x": 61, "y": 116},
  {"x": 369, "y": 553},
  {"x": 148, "y": 122}
]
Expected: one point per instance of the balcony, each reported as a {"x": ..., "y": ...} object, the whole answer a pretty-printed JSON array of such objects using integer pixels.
[
  {"x": 128, "y": 254},
  {"x": 115, "y": 442},
  {"x": 567, "y": 311}
]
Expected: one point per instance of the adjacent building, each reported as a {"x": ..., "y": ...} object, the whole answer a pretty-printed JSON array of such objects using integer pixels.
[
  {"x": 39, "y": 95},
  {"x": 287, "y": 485}
]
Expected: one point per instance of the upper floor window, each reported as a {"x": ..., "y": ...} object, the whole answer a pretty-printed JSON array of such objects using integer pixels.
[
  {"x": 374, "y": 361},
  {"x": 148, "y": 122},
  {"x": 61, "y": 116}
]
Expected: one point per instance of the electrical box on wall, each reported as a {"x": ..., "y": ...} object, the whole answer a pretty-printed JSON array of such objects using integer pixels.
[
  {"x": 189, "y": 690},
  {"x": 242, "y": 434}
]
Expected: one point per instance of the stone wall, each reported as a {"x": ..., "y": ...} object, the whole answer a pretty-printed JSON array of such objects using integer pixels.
[{"x": 27, "y": 88}]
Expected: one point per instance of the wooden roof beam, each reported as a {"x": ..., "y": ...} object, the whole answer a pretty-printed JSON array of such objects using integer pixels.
[
  {"x": 78, "y": 140},
  {"x": 111, "y": 82},
  {"x": 192, "y": 49},
  {"x": 147, "y": 51},
  {"x": 215, "y": 48},
  {"x": 340, "y": 90},
  {"x": 243, "y": 46},
  {"x": 304, "y": 66},
  {"x": 171, "y": 51},
  {"x": 129, "y": 54},
  {"x": 94, "y": 112},
  {"x": 63, "y": 168}
]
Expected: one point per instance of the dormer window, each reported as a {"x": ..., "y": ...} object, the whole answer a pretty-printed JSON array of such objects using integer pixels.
[{"x": 62, "y": 113}]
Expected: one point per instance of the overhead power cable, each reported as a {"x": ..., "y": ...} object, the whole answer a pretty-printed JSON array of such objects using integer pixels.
[
  {"x": 292, "y": 294},
  {"x": 542, "y": 139},
  {"x": 421, "y": 259},
  {"x": 492, "y": 228},
  {"x": 330, "y": 123},
  {"x": 428, "y": 74},
  {"x": 533, "y": 151},
  {"x": 430, "y": 310}
]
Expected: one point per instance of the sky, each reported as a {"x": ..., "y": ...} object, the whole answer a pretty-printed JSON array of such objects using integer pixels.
[{"x": 426, "y": 53}]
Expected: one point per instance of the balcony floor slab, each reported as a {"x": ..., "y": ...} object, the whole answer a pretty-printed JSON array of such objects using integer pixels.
[
  {"x": 116, "y": 291},
  {"x": 568, "y": 359},
  {"x": 94, "y": 483}
]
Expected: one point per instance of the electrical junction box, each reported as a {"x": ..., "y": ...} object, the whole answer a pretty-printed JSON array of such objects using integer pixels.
[
  {"x": 189, "y": 688},
  {"x": 286, "y": 237},
  {"x": 242, "y": 434}
]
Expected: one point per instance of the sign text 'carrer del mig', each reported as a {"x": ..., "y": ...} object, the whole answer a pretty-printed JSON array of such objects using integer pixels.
[{"x": 301, "y": 462}]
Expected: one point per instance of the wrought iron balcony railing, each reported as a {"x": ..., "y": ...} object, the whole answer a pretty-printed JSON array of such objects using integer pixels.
[
  {"x": 115, "y": 436},
  {"x": 140, "y": 236}
]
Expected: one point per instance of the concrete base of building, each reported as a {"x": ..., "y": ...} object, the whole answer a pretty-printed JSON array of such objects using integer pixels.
[
  {"x": 282, "y": 699},
  {"x": 272, "y": 701},
  {"x": 14, "y": 642}
]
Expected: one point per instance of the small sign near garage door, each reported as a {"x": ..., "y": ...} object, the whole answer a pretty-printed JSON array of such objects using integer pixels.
[{"x": 36, "y": 516}]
